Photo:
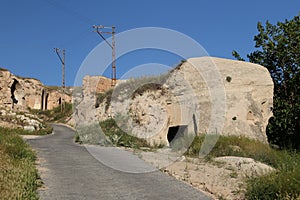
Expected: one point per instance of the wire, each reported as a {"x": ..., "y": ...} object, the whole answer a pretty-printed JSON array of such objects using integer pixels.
[
  {"x": 70, "y": 11},
  {"x": 104, "y": 39},
  {"x": 78, "y": 38}
]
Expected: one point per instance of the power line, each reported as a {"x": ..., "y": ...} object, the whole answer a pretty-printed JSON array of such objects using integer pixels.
[
  {"x": 62, "y": 57},
  {"x": 112, "y": 46},
  {"x": 67, "y": 9}
]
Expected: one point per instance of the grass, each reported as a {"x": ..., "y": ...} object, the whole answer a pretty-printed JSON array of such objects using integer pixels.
[
  {"x": 90, "y": 134},
  {"x": 107, "y": 132},
  {"x": 56, "y": 114},
  {"x": 281, "y": 185},
  {"x": 44, "y": 128},
  {"x": 284, "y": 183},
  {"x": 44, "y": 131},
  {"x": 101, "y": 97},
  {"x": 182, "y": 141},
  {"x": 118, "y": 137},
  {"x": 18, "y": 175},
  {"x": 47, "y": 129},
  {"x": 133, "y": 87}
]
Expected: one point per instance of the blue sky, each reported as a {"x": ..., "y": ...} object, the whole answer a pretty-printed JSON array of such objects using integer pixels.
[{"x": 31, "y": 29}]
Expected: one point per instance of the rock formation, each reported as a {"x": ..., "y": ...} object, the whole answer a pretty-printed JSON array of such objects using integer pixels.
[
  {"x": 18, "y": 95},
  {"x": 95, "y": 84},
  {"x": 22, "y": 93},
  {"x": 202, "y": 95},
  {"x": 248, "y": 90}
]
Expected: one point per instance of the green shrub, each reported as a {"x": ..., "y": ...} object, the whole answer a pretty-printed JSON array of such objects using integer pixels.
[
  {"x": 237, "y": 146},
  {"x": 118, "y": 137},
  {"x": 56, "y": 114},
  {"x": 101, "y": 97},
  {"x": 277, "y": 48},
  {"x": 90, "y": 134},
  {"x": 284, "y": 183},
  {"x": 59, "y": 115},
  {"x": 45, "y": 130},
  {"x": 18, "y": 175},
  {"x": 148, "y": 87},
  {"x": 195, "y": 147},
  {"x": 136, "y": 86}
]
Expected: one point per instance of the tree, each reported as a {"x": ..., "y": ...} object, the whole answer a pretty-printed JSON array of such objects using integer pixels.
[{"x": 278, "y": 49}]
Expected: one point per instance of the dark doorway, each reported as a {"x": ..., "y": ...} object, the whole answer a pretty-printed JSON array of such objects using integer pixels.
[
  {"x": 12, "y": 91},
  {"x": 46, "y": 101},
  {"x": 42, "y": 100},
  {"x": 175, "y": 132}
]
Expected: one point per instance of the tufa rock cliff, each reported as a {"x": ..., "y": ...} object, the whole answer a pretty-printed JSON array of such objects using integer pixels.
[
  {"x": 201, "y": 96},
  {"x": 22, "y": 93},
  {"x": 18, "y": 95}
]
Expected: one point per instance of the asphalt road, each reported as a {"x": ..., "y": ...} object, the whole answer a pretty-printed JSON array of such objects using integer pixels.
[{"x": 69, "y": 171}]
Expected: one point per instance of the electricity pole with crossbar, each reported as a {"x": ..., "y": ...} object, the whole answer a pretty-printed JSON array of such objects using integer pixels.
[
  {"x": 61, "y": 55},
  {"x": 112, "y": 46}
]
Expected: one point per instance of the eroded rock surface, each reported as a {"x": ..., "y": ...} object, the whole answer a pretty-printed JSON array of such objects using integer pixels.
[
  {"x": 22, "y": 93},
  {"x": 202, "y": 95},
  {"x": 18, "y": 95}
]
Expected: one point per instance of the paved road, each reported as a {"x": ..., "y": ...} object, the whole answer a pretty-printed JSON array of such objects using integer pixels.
[{"x": 69, "y": 171}]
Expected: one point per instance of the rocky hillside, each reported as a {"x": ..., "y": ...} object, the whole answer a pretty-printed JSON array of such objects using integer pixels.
[
  {"x": 201, "y": 95},
  {"x": 22, "y": 93},
  {"x": 19, "y": 95}
]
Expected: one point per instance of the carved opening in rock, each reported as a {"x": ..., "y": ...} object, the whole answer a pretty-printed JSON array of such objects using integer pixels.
[
  {"x": 46, "y": 101},
  {"x": 42, "y": 100},
  {"x": 176, "y": 132},
  {"x": 59, "y": 101},
  {"x": 13, "y": 88},
  {"x": 228, "y": 79}
]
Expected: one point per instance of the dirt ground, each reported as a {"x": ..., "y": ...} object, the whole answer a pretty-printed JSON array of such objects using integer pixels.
[{"x": 220, "y": 178}]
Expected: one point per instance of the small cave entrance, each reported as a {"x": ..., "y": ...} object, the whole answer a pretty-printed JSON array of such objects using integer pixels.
[
  {"x": 42, "y": 100},
  {"x": 59, "y": 101},
  {"x": 15, "y": 85},
  {"x": 176, "y": 131},
  {"x": 46, "y": 101}
]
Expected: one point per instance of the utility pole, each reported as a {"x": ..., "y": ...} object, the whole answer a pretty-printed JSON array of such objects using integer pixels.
[
  {"x": 112, "y": 46},
  {"x": 62, "y": 56}
]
